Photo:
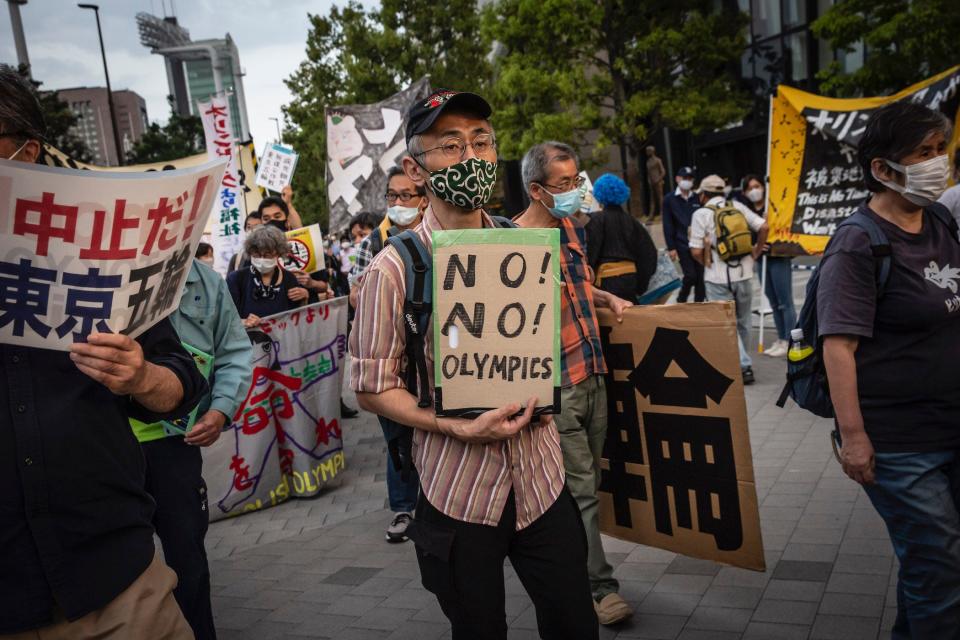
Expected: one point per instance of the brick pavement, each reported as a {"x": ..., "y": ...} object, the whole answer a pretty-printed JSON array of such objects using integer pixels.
[{"x": 320, "y": 567}]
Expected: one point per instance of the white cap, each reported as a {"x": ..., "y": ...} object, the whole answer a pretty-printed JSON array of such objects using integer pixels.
[{"x": 796, "y": 335}]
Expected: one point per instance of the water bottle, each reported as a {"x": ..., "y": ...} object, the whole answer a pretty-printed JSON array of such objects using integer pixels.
[{"x": 799, "y": 349}]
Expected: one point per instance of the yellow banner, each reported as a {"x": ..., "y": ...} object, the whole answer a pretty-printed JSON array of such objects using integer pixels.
[
  {"x": 252, "y": 194},
  {"x": 306, "y": 249},
  {"x": 815, "y": 181}
]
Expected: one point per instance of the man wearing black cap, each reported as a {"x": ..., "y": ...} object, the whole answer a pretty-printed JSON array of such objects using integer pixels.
[
  {"x": 492, "y": 487},
  {"x": 678, "y": 208}
]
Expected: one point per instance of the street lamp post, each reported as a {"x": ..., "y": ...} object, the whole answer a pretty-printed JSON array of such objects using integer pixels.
[
  {"x": 276, "y": 121},
  {"x": 103, "y": 54}
]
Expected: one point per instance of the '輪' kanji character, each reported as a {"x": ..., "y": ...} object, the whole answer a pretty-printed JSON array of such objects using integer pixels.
[
  {"x": 24, "y": 296},
  {"x": 167, "y": 294},
  {"x": 88, "y": 300}
]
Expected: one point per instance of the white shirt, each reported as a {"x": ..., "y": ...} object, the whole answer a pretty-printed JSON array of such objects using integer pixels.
[
  {"x": 703, "y": 229},
  {"x": 951, "y": 200}
]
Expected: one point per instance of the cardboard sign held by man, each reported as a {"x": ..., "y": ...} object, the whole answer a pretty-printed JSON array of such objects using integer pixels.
[
  {"x": 677, "y": 471},
  {"x": 496, "y": 320}
]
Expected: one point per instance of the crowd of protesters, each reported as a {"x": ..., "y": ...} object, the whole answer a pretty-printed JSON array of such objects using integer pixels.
[{"x": 471, "y": 493}]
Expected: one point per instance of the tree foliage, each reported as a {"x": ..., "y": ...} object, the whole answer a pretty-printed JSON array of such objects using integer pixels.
[
  {"x": 357, "y": 56},
  {"x": 60, "y": 120},
  {"x": 180, "y": 137},
  {"x": 621, "y": 68},
  {"x": 906, "y": 42}
]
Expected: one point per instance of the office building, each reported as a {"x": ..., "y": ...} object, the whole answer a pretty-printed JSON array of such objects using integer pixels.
[
  {"x": 94, "y": 126},
  {"x": 197, "y": 70}
]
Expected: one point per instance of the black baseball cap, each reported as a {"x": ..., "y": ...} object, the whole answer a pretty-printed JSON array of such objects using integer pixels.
[
  {"x": 686, "y": 172},
  {"x": 423, "y": 113}
]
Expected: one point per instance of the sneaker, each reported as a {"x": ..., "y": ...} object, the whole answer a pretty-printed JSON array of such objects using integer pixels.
[
  {"x": 747, "y": 374},
  {"x": 777, "y": 350},
  {"x": 612, "y": 609},
  {"x": 347, "y": 412},
  {"x": 397, "y": 531}
]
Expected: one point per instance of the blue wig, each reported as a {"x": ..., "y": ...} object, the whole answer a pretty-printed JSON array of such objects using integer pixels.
[{"x": 610, "y": 189}]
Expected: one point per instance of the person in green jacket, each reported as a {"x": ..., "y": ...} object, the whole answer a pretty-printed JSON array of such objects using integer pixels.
[{"x": 210, "y": 328}]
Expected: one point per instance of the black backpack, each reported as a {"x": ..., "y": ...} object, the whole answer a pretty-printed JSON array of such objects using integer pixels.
[
  {"x": 417, "y": 309},
  {"x": 807, "y": 378}
]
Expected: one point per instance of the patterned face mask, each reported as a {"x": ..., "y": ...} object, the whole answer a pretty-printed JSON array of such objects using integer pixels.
[{"x": 467, "y": 185}]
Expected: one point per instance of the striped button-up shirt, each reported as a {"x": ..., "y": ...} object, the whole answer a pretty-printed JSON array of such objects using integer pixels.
[
  {"x": 466, "y": 481},
  {"x": 582, "y": 355}
]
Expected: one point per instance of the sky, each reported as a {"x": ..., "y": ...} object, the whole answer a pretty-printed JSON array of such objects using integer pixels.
[{"x": 64, "y": 50}]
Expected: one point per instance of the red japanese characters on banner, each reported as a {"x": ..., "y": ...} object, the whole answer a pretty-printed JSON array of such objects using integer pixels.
[
  {"x": 83, "y": 251},
  {"x": 229, "y": 209},
  {"x": 285, "y": 439}
]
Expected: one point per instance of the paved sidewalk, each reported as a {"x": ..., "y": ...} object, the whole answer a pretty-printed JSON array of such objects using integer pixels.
[{"x": 320, "y": 567}]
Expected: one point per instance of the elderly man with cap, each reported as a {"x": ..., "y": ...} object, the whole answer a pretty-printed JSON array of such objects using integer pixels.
[
  {"x": 678, "y": 208},
  {"x": 727, "y": 279},
  {"x": 491, "y": 487}
]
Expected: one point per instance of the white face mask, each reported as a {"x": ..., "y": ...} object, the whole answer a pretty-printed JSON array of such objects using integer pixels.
[
  {"x": 925, "y": 181},
  {"x": 755, "y": 195},
  {"x": 207, "y": 261},
  {"x": 686, "y": 185},
  {"x": 264, "y": 265},
  {"x": 402, "y": 216},
  {"x": 346, "y": 244}
]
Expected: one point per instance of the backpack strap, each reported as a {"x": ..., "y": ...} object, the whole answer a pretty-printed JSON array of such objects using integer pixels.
[
  {"x": 879, "y": 246},
  {"x": 941, "y": 213},
  {"x": 417, "y": 307}
]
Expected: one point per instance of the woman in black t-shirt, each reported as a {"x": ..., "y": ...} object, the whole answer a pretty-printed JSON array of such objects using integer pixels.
[
  {"x": 264, "y": 288},
  {"x": 892, "y": 361}
]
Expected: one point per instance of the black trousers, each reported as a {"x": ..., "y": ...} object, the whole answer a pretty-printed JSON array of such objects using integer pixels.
[
  {"x": 181, "y": 521},
  {"x": 462, "y": 564},
  {"x": 692, "y": 277}
]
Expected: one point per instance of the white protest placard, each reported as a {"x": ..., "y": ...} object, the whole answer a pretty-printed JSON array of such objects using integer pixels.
[
  {"x": 588, "y": 203},
  {"x": 83, "y": 250},
  {"x": 276, "y": 167},
  {"x": 230, "y": 208}
]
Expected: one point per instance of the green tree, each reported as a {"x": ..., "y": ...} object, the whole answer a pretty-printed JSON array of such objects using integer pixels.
[
  {"x": 180, "y": 137},
  {"x": 623, "y": 69},
  {"x": 356, "y": 56},
  {"x": 906, "y": 42}
]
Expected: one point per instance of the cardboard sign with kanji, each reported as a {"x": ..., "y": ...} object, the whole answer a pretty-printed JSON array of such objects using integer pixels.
[
  {"x": 677, "y": 470},
  {"x": 86, "y": 250},
  {"x": 496, "y": 319}
]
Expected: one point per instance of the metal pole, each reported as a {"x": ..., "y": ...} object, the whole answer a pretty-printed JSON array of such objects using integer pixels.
[
  {"x": 19, "y": 41},
  {"x": 276, "y": 121},
  {"x": 106, "y": 73},
  {"x": 766, "y": 213}
]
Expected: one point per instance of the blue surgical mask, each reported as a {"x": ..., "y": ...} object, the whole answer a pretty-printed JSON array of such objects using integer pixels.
[{"x": 565, "y": 204}]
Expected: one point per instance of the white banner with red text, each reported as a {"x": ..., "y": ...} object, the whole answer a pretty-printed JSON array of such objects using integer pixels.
[
  {"x": 285, "y": 440},
  {"x": 82, "y": 251}
]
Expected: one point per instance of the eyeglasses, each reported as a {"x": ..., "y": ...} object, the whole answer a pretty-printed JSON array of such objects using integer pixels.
[
  {"x": 483, "y": 145},
  {"x": 392, "y": 197},
  {"x": 566, "y": 185}
]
